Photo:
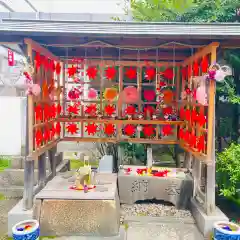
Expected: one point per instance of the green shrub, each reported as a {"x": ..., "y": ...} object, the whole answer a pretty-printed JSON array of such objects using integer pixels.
[{"x": 228, "y": 170}]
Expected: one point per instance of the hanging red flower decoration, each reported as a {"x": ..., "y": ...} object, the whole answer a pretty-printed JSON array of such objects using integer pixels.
[
  {"x": 188, "y": 91},
  {"x": 59, "y": 109},
  {"x": 92, "y": 72},
  {"x": 149, "y": 95},
  {"x": 53, "y": 67},
  {"x": 52, "y": 131},
  {"x": 195, "y": 69},
  {"x": 162, "y": 84},
  {"x": 47, "y": 112},
  {"x": 188, "y": 114},
  {"x": 58, "y": 68},
  {"x": 110, "y": 73},
  {"x": 46, "y": 64},
  {"x": 58, "y": 128},
  {"x": 91, "y": 128},
  {"x": 148, "y": 130},
  {"x": 91, "y": 110},
  {"x": 194, "y": 115},
  {"x": 192, "y": 140},
  {"x": 72, "y": 128},
  {"x": 46, "y": 135},
  {"x": 110, "y": 110},
  {"x": 74, "y": 94},
  {"x": 167, "y": 110},
  {"x": 72, "y": 71},
  {"x": 149, "y": 111},
  {"x": 38, "y": 137},
  {"x": 201, "y": 119},
  {"x": 200, "y": 144},
  {"x": 131, "y": 73},
  {"x": 38, "y": 112},
  {"x": 129, "y": 130},
  {"x": 181, "y": 134},
  {"x": 53, "y": 111},
  {"x": 37, "y": 60},
  {"x": 109, "y": 129},
  {"x": 204, "y": 64},
  {"x": 194, "y": 94},
  {"x": 130, "y": 110},
  {"x": 182, "y": 113},
  {"x": 150, "y": 73},
  {"x": 186, "y": 136},
  {"x": 73, "y": 109},
  {"x": 167, "y": 130},
  {"x": 168, "y": 74}
]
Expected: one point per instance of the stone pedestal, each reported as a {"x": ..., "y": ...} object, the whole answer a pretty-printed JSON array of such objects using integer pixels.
[{"x": 65, "y": 212}]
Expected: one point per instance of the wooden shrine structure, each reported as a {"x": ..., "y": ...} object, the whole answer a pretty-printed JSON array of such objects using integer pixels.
[{"x": 162, "y": 75}]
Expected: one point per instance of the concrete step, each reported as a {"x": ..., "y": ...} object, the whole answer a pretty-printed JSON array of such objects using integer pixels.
[
  {"x": 16, "y": 177},
  {"x": 17, "y": 162},
  {"x": 11, "y": 192}
]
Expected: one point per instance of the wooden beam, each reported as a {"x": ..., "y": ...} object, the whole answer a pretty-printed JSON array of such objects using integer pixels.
[
  {"x": 203, "y": 52},
  {"x": 114, "y": 140},
  {"x": 38, "y": 48},
  {"x": 131, "y": 63},
  {"x": 113, "y": 121},
  {"x": 178, "y": 57}
]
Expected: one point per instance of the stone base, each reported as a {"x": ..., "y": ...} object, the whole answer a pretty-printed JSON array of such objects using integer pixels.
[
  {"x": 205, "y": 222},
  {"x": 65, "y": 212}
]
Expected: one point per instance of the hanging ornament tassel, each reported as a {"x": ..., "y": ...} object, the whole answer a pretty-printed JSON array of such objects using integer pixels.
[
  {"x": 195, "y": 69},
  {"x": 204, "y": 64}
]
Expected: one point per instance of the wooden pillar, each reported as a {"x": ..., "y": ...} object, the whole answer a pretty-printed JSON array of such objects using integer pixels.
[
  {"x": 210, "y": 190},
  {"x": 42, "y": 170},
  {"x": 53, "y": 159}
]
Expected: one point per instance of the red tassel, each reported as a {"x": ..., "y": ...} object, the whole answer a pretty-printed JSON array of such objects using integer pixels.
[
  {"x": 204, "y": 64},
  {"x": 189, "y": 71},
  {"x": 184, "y": 73},
  {"x": 195, "y": 69}
]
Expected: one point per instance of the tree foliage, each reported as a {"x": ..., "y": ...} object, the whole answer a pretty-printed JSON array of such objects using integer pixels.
[{"x": 184, "y": 10}]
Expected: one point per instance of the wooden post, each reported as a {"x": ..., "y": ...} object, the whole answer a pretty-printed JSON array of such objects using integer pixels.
[
  {"x": 42, "y": 170},
  {"x": 52, "y": 159},
  {"x": 29, "y": 163},
  {"x": 210, "y": 190}
]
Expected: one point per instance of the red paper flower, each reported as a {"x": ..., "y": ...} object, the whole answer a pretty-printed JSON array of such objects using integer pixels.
[
  {"x": 46, "y": 135},
  {"x": 195, "y": 69},
  {"x": 162, "y": 84},
  {"x": 47, "y": 112},
  {"x": 194, "y": 115},
  {"x": 91, "y": 128},
  {"x": 189, "y": 71},
  {"x": 53, "y": 67},
  {"x": 37, "y": 60},
  {"x": 188, "y": 114},
  {"x": 150, "y": 73},
  {"x": 182, "y": 113},
  {"x": 167, "y": 130},
  {"x": 192, "y": 140},
  {"x": 92, "y": 72},
  {"x": 46, "y": 64},
  {"x": 110, "y": 110},
  {"x": 38, "y": 137},
  {"x": 181, "y": 134},
  {"x": 204, "y": 64},
  {"x": 186, "y": 136},
  {"x": 58, "y": 68},
  {"x": 188, "y": 91},
  {"x": 38, "y": 112},
  {"x": 109, "y": 129},
  {"x": 167, "y": 110},
  {"x": 130, "y": 110},
  {"x": 58, "y": 128},
  {"x": 91, "y": 110},
  {"x": 73, "y": 109},
  {"x": 59, "y": 109},
  {"x": 200, "y": 144},
  {"x": 129, "y": 130},
  {"x": 74, "y": 94},
  {"x": 149, "y": 111},
  {"x": 149, "y": 95},
  {"x": 72, "y": 71},
  {"x": 72, "y": 128},
  {"x": 110, "y": 73},
  {"x": 131, "y": 73},
  {"x": 52, "y": 131},
  {"x": 201, "y": 119},
  {"x": 148, "y": 130},
  {"x": 168, "y": 74}
]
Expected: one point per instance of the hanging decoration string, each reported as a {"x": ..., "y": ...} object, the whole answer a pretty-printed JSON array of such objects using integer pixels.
[{"x": 108, "y": 45}]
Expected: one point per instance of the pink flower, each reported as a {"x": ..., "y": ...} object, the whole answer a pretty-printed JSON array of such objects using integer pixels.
[
  {"x": 130, "y": 95},
  {"x": 92, "y": 93}
]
